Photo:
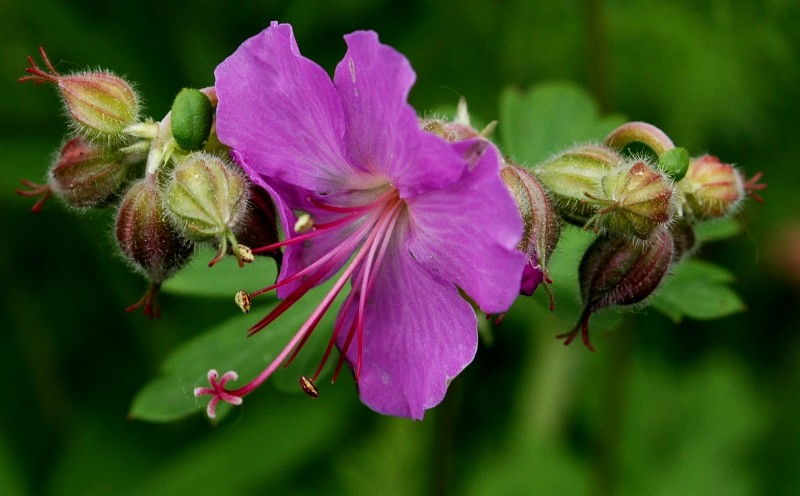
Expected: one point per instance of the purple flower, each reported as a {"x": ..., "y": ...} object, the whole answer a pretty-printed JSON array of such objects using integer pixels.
[{"x": 407, "y": 218}]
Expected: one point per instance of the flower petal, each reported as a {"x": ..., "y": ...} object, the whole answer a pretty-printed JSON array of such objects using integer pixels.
[
  {"x": 468, "y": 233},
  {"x": 281, "y": 113},
  {"x": 418, "y": 335},
  {"x": 382, "y": 133}
]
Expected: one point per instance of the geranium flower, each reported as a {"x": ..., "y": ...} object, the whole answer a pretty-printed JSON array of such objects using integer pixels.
[{"x": 406, "y": 217}]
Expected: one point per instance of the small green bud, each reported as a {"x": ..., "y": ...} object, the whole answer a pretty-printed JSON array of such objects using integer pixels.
[
  {"x": 619, "y": 271},
  {"x": 208, "y": 199},
  {"x": 191, "y": 118},
  {"x": 100, "y": 104},
  {"x": 674, "y": 163}
]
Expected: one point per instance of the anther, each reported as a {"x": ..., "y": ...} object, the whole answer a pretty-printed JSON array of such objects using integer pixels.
[
  {"x": 242, "y": 300},
  {"x": 308, "y": 387}
]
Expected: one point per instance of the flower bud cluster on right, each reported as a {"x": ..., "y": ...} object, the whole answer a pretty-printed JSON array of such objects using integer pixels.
[{"x": 641, "y": 195}]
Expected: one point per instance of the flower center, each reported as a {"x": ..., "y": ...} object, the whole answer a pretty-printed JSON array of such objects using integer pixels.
[{"x": 375, "y": 224}]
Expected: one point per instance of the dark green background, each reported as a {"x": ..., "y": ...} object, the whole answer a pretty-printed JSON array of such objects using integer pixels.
[{"x": 699, "y": 408}]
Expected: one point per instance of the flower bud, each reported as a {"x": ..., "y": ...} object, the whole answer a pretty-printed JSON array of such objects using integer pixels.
[
  {"x": 575, "y": 175},
  {"x": 260, "y": 227},
  {"x": 635, "y": 200},
  {"x": 100, "y": 104},
  {"x": 208, "y": 200},
  {"x": 684, "y": 239},
  {"x": 711, "y": 188},
  {"x": 191, "y": 118},
  {"x": 147, "y": 238},
  {"x": 460, "y": 128},
  {"x": 541, "y": 227},
  {"x": 619, "y": 271},
  {"x": 87, "y": 175}
]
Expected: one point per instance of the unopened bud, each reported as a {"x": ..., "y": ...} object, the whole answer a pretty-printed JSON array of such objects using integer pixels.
[
  {"x": 87, "y": 175},
  {"x": 191, "y": 118},
  {"x": 259, "y": 228},
  {"x": 146, "y": 236},
  {"x": 208, "y": 199},
  {"x": 635, "y": 200},
  {"x": 711, "y": 189},
  {"x": 684, "y": 239},
  {"x": 460, "y": 128},
  {"x": 541, "y": 226},
  {"x": 100, "y": 104},
  {"x": 575, "y": 175},
  {"x": 619, "y": 271}
]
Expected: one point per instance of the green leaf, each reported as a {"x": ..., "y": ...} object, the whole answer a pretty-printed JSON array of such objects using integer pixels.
[
  {"x": 227, "y": 347},
  {"x": 222, "y": 280},
  {"x": 550, "y": 118},
  {"x": 717, "y": 229},
  {"x": 697, "y": 290}
]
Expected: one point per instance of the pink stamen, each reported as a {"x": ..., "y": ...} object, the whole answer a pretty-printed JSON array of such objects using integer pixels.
[{"x": 374, "y": 235}]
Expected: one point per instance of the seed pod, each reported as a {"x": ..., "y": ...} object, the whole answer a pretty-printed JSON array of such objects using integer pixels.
[
  {"x": 620, "y": 271},
  {"x": 100, "y": 105}
]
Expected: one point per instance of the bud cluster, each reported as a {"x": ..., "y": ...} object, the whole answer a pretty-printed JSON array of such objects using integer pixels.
[
  {"x": 642, "y": 195},
  {"x": 173, "y": 188}
]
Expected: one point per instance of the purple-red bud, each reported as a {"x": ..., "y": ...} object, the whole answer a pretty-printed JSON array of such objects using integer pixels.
[
  {"x": 620, "y": 271},
  {"x": 100, "y": 104},
  {"x": 260, "y": 226},
  {"x": 87, "y": 175},
  {"x": 541, "y": 226},
  {"x": 148, "y": 239}
]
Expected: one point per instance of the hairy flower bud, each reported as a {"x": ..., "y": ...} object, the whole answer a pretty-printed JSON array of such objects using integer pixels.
[
  {"x": 87, "y": 175},
  {"x": 573, "y": 176},
  {"x": 260, "y": 226},
  {"x": 100, "y": 104},
  {"x": 148, "y": 239},
  {"x": 619, "y": 271},
  {"x": 207, "y": 198},
  {"x": 541, "y": 226},
  {"x": 711, "y": 189},
  {"x": 460, "y": 128},
  {"x": 635, "y": 200}
]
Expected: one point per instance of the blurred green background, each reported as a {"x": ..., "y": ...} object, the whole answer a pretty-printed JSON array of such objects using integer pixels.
[{"x": 697, "y": 408}]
